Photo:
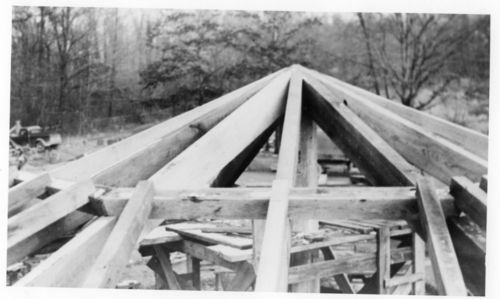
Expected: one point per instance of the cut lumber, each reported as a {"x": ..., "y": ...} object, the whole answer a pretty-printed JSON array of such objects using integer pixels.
[
  {"x": 483, "y": 184},
  {"x": 274, "y": 261},
  {"x": 433, "y": 154},
  {"x": 445, "y": 265},
  {"x": 337, "y": 240},
  {"x": 383, "y": 259},
  {"x": 469, "y": 241},
  {"x": 342, "y": 279},
  {"x": 139, "y": 148},
  {"x": 354, "y": 264},
  {"x": 242, "y": 127},
  {"x": 470, "y": 199},
  {"x": 166, "y": 266},
  {"x": 159, "y": 235},
  {"x": 244, "y": 278},
  {"x": 252, "y": 203},
  {"x": 418, "y": 264},
  {"x": 24, "y": 225},
  {"x": 22, "y": 193},
  {"x": 122, "y": 240},
  {"x": 69, "y": 265},
  {"x": 214, "y": 238},
  {"x": 361, "y": 143},
  {"x": 307, "y": 176},
  {"x": 473, "y": 141},
  {"x": 232, "y": 254}
]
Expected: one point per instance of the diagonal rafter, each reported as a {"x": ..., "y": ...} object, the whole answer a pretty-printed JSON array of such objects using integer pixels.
[
  {"x": 475, "y": 142},
  {"x": 272, "y": 272},
  {"x": 429, "y": 152}
]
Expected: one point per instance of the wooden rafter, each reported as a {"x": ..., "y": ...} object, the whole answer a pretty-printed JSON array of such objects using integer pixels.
[
  {"x": 433, "y": 154},
  {"x": 274, "y": 261}
]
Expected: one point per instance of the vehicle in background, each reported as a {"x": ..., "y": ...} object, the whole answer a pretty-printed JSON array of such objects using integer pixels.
[{"x": 34, "y": 136}]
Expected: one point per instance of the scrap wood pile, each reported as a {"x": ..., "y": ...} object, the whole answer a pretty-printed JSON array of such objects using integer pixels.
[{"x": 186, "y": 168}]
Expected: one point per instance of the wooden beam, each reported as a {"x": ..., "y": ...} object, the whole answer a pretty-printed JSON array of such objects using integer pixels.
[
  {"x": 383, "y": 259},
  {"x": 166, "y": 267},
  {"x": 307, "y": 176},
  {"x": 120, "y": 244},
  {"x": 22, "y": 193},
  {"x": 244, "y": 278},
  {"x": 470, "y": 199},
  {"x": 363, "y": 145},
  {"x": 274, "y": 261},
  {"x": 244, "y": 125},
  {"x": 354, "y": 264},
  {"x": 483, "y": 184},
  {"x": 140, "y": 148},
  {"x": 342, "y": 279},
  {"x": 25, "y": 225},
  {"x": 433, "y": 154},
  {"x": 469, "y": 242},
  {"x": 418, "y": 263},
  {"x": 445, "y": 265},
  {"x": 473, "y": 141},
  {"x": 68, "y": 265},
  {"x": 228, "y": 176},
  {"x": 252, "y": 203}
]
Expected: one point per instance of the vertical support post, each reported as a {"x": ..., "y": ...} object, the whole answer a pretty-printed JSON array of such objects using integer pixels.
[
  {"x": 383, "y": 258},
  {"x": 195, "y": 273},
  {"x": 418, "y": 263},
  {"x": 307, "y": 176}
]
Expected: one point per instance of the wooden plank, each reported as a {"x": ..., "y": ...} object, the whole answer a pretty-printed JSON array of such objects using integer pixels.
[
  {"x": 483, "y": 184},
  {"x": 433, "y": 154},
  {"x": 228, "y": 230},
  {"x": 336, "y": 240},
  {"x": 54, "y": 231},
  {"x": 473, "y": 141},
  {"x": 205, "y": 253},
  {"x": 122, "y": 240},
  {"x": 24, "y": 225},
  {"x": 195, "y": 269},
  {"x": 445, "y": 265},
  {"x": 232, "y": 254},
  {"x": 213, "y": 238},
  {"x": 68, "y": 265},
  {"x": 275, "y": 256},
  {"x": 361, "y": 143},
  {"x": 469, "y": 242},
  {"x": 242, "y": 127},
  {"x": 405, "y": 288},
  {"x": 159, "y": 235},
  {"x": 198, "y": 118},
  {"x": 383, "y": 259},
  {"x": 470, "y": 198},
  {"x": 24, "y": 192},
  {"x": 307, "y": 176},
  {"x": 252, "y": 203},
  {"x": 166, "y": 267},
  {"x": 342, "y": 279},
  {"x": 418, "y": 263},
  {"x": 244, "y": 278},
  {"x": 354, "y": 264}
]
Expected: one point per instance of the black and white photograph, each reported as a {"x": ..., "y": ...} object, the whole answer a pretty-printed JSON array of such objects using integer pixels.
[{"x": 164, "y": 150}]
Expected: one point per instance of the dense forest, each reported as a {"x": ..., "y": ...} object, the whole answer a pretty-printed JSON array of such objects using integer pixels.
[{"x": 81, "y": 69}]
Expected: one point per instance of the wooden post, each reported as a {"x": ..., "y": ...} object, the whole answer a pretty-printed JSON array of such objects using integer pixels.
[
  {"x": 383, "y": 258},
  {"x": 307, "y": 176},
  {"x": 418, "y": 264}
]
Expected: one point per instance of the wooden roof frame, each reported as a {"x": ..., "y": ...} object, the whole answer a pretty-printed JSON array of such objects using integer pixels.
[{"x": 172, "y": 170}]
